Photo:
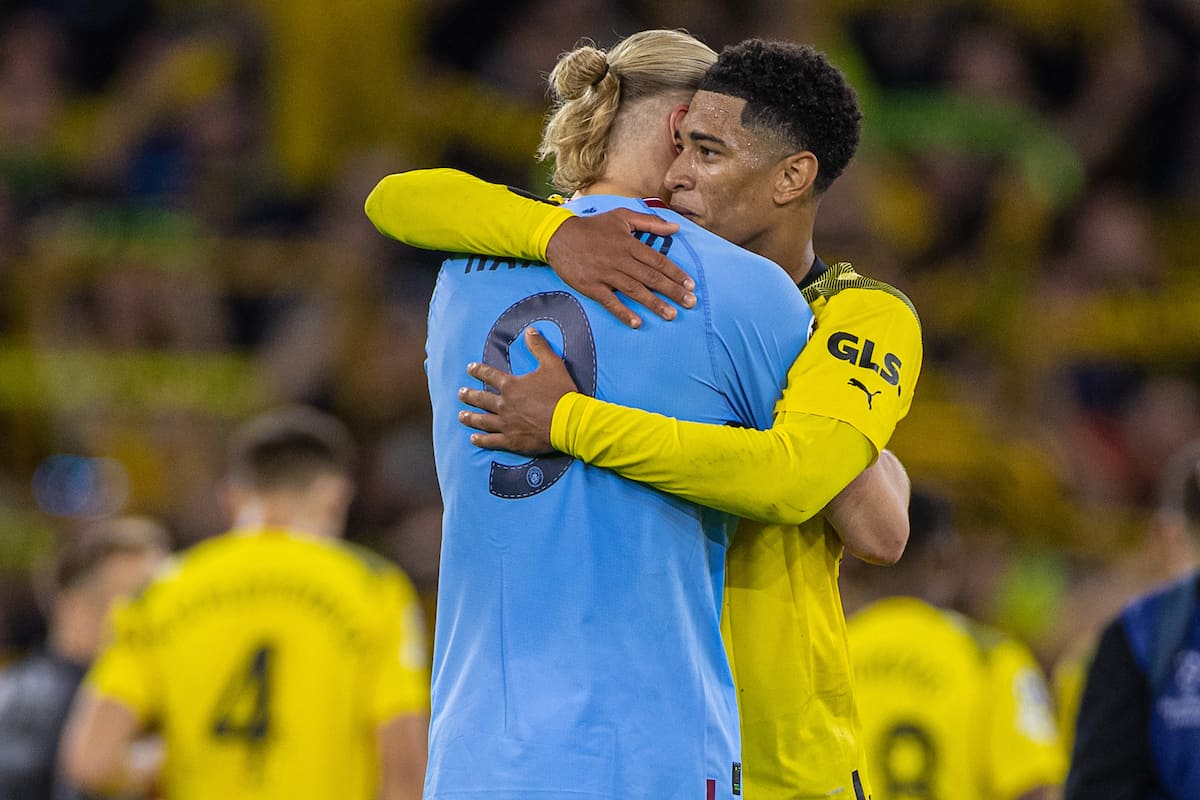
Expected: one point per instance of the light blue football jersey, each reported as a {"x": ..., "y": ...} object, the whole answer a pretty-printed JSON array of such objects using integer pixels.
[{"x": 578, "y": 648}]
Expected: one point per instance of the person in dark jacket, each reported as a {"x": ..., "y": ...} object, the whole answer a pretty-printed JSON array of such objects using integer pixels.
[
  {"x": 1137, "y": 734},
  {"x": 92, "y": 570}
]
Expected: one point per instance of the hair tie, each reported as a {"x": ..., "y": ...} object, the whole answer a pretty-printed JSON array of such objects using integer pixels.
[{"x": 596, "y": 82}]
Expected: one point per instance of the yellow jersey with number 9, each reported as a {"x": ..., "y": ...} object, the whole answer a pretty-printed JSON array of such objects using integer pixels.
[{"x": 267, "y": 660}]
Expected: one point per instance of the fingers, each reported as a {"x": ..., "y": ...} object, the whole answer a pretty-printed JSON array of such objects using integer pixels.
[
  {"x": 643, "y": 296},
  {"x": 650, "y": 276},
  {"x": 609, "y": 302},
  {"x": 670, "y": 277},
  {"x": 538, "y": 345},
  {"x": 490, "y": 441},
  {"x": 487, "y": 401},
  {"x": 480, "y": 422},
  {"x": 493, "y": 377},
  {"x": 649, "y": 223}
]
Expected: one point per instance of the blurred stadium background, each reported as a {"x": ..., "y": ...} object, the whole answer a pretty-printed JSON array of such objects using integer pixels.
[{"x": 182, "y": 243}]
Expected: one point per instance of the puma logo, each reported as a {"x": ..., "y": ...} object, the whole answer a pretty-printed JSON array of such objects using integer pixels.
[{"x": 859, "y": 384}]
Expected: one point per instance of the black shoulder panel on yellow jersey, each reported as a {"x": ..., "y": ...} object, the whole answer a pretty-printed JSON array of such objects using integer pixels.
[
  {"x": 842, "y": 276},
  {"x": 552, "y": 200}
]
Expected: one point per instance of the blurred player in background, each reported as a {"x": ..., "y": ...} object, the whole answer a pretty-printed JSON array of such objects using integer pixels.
[
  {"x": 275, "y": 660},
  {"x": 578, "y": 647},
  {"x": 1138, "y": 729},
  {"x": 950, "y": 707},
  {"x": 771, "y": 128},
  {"x": 104, "y": 563}
]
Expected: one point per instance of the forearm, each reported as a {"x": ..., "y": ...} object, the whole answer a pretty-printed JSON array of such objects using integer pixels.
[
  {"x": 403, "y": 742},
  {"x": 784, "y": 475},
  {"x": 99, "y": 755},
  {"x": 444, "y": 209},
  {"x": 871, "y": 514}
]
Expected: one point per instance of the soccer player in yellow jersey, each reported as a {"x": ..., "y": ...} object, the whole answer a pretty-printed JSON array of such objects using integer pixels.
[
  {"x": 950, "y": 707},
  {"x": 770, "y": 128},
  {"x": 275, "y": 661}
]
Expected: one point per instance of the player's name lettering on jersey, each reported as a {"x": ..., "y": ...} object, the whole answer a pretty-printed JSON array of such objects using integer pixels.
[
  {"x": 293, "y": 591},
  {"x": 861, "y": 352},
  {"x": 660, "y": 243},
  {"x": 900, "y": 668},
  {"x": 491, "y": 264}
]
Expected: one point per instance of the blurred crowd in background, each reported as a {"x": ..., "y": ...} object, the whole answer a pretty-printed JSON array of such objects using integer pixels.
[{"x": 182, "y": 244}]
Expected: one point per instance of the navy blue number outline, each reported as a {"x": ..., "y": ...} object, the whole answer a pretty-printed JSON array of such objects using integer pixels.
[{"x": 514, "y": 482}]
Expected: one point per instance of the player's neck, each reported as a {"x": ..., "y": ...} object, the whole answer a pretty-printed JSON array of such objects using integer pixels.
[
  {"x": 620, "y": 188},
  {"x": 790, "y": 246},
  {"x": 626, "y": 174},
  {"x": 786, "y": 237},
  {"x": 299, "y": 514}
]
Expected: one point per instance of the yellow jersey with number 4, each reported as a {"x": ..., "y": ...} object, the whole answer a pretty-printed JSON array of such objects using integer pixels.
[
  {"x": 267, "y": 659},
  {"x": 950, "y": 708}
]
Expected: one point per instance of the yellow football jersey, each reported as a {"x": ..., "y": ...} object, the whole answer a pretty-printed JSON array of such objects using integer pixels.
[
  {"x": 784, "y": 626},
  {"x": 267, "y": 659},
  {"x": 783, "y": 620},
  {"x": 950, "y": 708},
  {"x": 785, "y": 634}
]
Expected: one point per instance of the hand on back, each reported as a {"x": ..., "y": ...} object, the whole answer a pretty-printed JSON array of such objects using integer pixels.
[
  {"x": 517, "y": 415},
  {"x": 600, "y": 255}
]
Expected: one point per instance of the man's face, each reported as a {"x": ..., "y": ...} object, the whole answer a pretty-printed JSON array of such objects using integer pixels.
[{"x": 723, "y": 176}]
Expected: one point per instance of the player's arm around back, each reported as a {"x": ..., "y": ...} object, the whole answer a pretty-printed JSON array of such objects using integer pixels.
[
  {"x": 837, "y": 412},
  {"x": 785, "y": 474},
  {"x": 598, "y": 256},
  {"x": 445, "y": 209}
]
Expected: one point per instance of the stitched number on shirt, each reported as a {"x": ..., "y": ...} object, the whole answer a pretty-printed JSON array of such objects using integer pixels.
[
  {"x": 579, "y": 352},
  {"x": 909, "y": 761},
  {"x": 243, "y": 711}
]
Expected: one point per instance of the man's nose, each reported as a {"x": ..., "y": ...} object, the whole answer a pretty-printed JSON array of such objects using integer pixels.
[{"x": 679, "y": 176}]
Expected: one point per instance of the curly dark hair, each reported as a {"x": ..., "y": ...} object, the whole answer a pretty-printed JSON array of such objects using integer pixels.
[{"x": 794, "y": 92}]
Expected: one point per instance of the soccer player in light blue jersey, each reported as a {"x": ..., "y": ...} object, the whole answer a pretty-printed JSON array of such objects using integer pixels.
[{"x": 578, "y": 651}]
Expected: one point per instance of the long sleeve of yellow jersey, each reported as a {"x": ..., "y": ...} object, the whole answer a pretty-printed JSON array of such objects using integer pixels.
[
  {"x": 784, "y": 475},
  {"x": 845, "y": 394},
  {"x": 445, "y": 209}
]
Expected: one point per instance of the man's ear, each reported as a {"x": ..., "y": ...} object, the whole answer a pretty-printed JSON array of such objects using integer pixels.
[
  {"x": 796, "y": 177},
  {"x": 674, "y": 120}
]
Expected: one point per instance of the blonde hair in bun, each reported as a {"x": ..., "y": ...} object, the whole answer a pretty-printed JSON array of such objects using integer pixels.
[{"x": 590, "y": 85}]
